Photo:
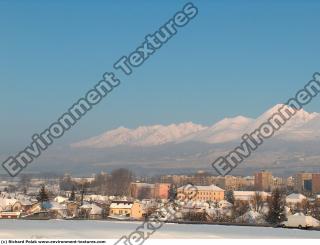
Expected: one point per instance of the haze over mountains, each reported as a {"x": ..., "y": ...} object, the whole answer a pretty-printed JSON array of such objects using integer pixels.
[
  {"x": 303, "y": 126},
  {"x": 190, "y": 147}
]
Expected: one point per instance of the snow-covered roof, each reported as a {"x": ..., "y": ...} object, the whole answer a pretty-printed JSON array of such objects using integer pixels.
[
  {"x": 147, "y": 203},
  {"x": 11, "y": 198},
  {"x": 252, "y": 217},
  {"x": 295, "y": 198},
  {"x": 25, "y": 202},
  {"x": 224, "y": 204},
  {"x": 196, "y": 204},
  {"x": 96, "y": 197},
  {"x": 86, "y": 206},
  {"x": 4, "y": 202},
  {"x": 94, "y": 209},
  {"x": 60, "y": 199},
  {"x": 4, "y": 194}
]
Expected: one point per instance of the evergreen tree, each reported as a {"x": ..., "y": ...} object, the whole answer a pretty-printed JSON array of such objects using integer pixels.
[
  {"x": 172, "y": 193},
  {"x": 43, "y": 195},
  {"x": 83, "y": 191},
  {"x": 72, "y": 195},
  {"x": 230, "y": 196},
  {"x": 276, "y": 208}
]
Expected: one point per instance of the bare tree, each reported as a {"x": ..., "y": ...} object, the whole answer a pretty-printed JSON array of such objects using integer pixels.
[
  {"x": 257, "y": 202},
  {"x": 144, "y": 193},
  {"x": 196, "y": 216},
  {"x": 240, "y": 208},
  {"x": 120, "y": 182},
  {"x": 24, "y": 182},
  {"x": 100, "y": 184}
]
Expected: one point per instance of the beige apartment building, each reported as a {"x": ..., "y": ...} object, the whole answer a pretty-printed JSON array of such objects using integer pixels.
[
  {"x": 234, "y": 182},
  {"x": 316, "y": 183},
  {"x": 201, "y": 193}
]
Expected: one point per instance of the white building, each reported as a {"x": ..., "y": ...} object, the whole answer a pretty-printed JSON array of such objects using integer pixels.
[{"x": 295, "y": 199}]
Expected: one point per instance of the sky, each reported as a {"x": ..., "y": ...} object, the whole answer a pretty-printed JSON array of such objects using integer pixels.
[{"x": 234, "y": 58}]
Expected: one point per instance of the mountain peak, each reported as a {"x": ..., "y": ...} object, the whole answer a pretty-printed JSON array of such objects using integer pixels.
[{"x": 301, "y": 115}]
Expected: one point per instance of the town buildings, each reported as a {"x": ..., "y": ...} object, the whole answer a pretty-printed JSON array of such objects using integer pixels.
[
  {"x": 207, "y": 192},
  {"x": 303, "y": 182},
  {"x": 202, "y": 178},
  {"x": 211, "y": 193},
  {"x": 149, "y": 191},
  {"x": 307, "y": 183},
  {"x": 234, "y": 182}
]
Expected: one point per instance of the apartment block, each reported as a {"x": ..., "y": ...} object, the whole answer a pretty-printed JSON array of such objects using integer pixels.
[
  {"x": 201, "y": 193},
  {"x": 316, "y": 183},
  {"x": 263, "y": 181},
  {"x": 303, "y": 182}
]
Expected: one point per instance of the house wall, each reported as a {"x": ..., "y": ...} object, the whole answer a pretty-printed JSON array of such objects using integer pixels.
[
  {"x": 120, "y": 211},
  {"x": 214, "y": 196},
  {"x": 136, "y": 211},
  {"x": 316, "y": 183},
  {"x": 17, "y": 207},
  {"x": 161, "y": 190},
  {"x": 202, "y": 195}
]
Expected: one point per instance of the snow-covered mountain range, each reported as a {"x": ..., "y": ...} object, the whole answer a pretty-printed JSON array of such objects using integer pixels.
[
  {"x": 188, "y": 147},
  {"x": 303, "y": 126}
]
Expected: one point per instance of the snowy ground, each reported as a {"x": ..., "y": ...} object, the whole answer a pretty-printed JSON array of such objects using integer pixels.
[{"x": 59, "y": 229}]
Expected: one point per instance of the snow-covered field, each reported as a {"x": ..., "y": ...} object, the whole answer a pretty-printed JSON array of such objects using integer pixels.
[{"x": 62, "y": 229}]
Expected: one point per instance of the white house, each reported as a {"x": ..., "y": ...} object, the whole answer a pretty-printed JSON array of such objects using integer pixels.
[
  {"x": 92, "y": 211},
  {"x": 295, "y": 199}
]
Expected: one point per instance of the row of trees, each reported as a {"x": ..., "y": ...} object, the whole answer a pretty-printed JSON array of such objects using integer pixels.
[
  {"x": 116, "y": 184},
  {"x": 276, "y": 204}
]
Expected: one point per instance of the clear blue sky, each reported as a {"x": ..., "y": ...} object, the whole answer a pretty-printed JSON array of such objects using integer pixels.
[{"x": 235, "y": 57}]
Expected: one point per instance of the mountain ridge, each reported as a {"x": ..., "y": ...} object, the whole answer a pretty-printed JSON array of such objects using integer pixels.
[{"x": 302, "y": 126}]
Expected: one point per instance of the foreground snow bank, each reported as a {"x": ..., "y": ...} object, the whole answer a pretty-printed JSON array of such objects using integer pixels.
[{"x": 86, "y": 229}]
